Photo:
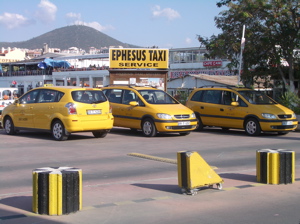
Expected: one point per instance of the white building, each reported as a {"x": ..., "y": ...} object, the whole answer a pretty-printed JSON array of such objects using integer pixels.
[{"x": 188, "y": 68}]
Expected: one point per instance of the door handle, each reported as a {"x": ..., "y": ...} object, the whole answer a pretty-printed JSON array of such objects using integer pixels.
[
  {"x": 201, "y": 107},
  {"x": 221, "y": 109}
]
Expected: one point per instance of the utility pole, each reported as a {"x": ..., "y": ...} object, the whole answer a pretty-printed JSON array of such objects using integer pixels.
[{"x": 241, "y": 54}]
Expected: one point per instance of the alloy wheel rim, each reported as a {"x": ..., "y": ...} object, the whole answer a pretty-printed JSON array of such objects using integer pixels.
[
  {"x": 7, "y": 126},
  {"x": 57, "y": 131},
  {"x": 147, "y": 128},
  {"x": 251, "y": 127}
]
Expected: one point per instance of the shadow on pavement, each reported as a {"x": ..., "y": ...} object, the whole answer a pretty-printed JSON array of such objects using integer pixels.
[
  {"x": 161, "y": 187},
  {"x": 238, "y": 176},
  {"x": 20, "y": 202}
]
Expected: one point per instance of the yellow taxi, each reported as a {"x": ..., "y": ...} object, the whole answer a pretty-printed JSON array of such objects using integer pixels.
[
  {"x": 150, "y": 110},
  {"x": 240, "y": 108},
  {"x": 61, "y": 110}
]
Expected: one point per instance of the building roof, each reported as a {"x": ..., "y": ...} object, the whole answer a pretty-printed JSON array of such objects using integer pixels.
[{"x": 226, "y": 80}]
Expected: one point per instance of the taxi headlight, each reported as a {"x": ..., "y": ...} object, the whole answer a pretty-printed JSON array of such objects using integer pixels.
[
  {"x": 164, "y": 116},
  {"x": 193, "y": 115},
  {"x": 268, "y": 116},
  {"x": 294, "y": 115}
]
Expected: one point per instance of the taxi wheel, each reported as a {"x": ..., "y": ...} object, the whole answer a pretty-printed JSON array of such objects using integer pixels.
[
  {"x": 58, "y": 131},
  {"x": 148, "y": 128},
  {"x": 9, "y": 126},
  {"x": 199, "y": 126},
  {"x": 252, "y": 127},
  {"x": 100, "y": 134}
]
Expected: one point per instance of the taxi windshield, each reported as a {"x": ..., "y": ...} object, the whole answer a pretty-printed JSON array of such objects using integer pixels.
[
  {"x": 256, "y": 97},
  {"x": 157, "y": 97}
]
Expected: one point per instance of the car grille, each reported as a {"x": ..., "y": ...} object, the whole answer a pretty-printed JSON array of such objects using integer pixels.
[
  {"x": 283, "y": 116},
  {"x": 182, "y": 116}
]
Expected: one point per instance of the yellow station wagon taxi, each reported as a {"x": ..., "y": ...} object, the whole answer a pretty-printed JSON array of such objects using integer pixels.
[
  {"x": 149, "y": 109},
  {"x": 240, "y": 108},
  {"x": 61, "y": 110}
]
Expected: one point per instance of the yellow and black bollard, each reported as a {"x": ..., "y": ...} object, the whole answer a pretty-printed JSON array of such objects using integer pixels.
[
  {"x": 57, "y": 190},
  {"x": 194, "y": 172},
  {"x": 275, "y": 166}
]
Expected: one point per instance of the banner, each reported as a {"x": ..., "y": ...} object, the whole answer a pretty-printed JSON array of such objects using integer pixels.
[{"x": 135, "y": 58}]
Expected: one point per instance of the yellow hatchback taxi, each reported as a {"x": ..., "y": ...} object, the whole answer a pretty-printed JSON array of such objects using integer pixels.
[
  {"x": 240, "y": 108},
  {"x": 61, "y": 110},
  {"x": 150, "y": 110}
]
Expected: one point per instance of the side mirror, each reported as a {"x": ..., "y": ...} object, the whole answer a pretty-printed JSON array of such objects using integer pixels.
[
  {"x": 133, "y": 103},
  {"x": 235, "y": 104},
  {"x": 16, "y": 102}
]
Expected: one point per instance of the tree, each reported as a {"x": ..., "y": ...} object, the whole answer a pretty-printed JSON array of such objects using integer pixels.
[{"x": 272, "y": 35}]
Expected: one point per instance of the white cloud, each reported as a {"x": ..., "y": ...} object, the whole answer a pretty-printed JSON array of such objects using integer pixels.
[
  {"x": 188, "y": 40},
  {"x": 71, "y": 17},
  {"x": 12, "y": 21},
  {"x": 75, "y": 18},
  {"x": 46, "y": 12},
  {"x": 169, "y": 13}
]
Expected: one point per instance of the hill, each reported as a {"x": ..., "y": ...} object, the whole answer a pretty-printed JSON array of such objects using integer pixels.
[{"x": 78, "y": 36}]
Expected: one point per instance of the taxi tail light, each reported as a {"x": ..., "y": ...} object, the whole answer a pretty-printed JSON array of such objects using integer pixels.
[
  {"x": 110, "y": 109},
  {"x": 71, "y": 108}
]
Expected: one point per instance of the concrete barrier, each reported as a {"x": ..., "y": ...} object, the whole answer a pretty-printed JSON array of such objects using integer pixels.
[
  {"x": 275, "y": 166},
  {"x": 57, "y": 190}
]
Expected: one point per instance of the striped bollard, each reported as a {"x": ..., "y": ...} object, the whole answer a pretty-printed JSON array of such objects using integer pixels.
[
  {"x": 275, "y": 166},
  {"x": 57, "y": 190}
]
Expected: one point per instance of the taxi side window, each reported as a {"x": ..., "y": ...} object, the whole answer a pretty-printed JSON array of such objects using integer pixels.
[
  {"x": 128, "y": 96},
  {"x": 197, "y": 96},
  {"x": 211, "y": 96},
  {"x": 29, "y": 97},
  {"x": 228, "y": 97},
  {"x": 47, "y": 96},
  {"x": 113, "y": 95}
]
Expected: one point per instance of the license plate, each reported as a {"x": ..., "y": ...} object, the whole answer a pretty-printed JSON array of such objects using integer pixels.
[
  {"x": 91, "y": 112},
  {"x": 181, "y": 123},
  {"x": 287, "y": 122}
]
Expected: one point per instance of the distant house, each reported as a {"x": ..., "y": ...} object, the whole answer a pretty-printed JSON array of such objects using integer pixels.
[{"x": 11, "y": 55}]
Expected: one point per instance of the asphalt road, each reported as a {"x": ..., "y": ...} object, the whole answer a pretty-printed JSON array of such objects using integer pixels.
[{"x": 120, "y": 188}]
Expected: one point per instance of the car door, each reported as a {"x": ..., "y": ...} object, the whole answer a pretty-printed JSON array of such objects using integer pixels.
[
  {"x": 24, "y": 111},
  {"x": 233, "y": 116},
  {"x": 209, "y": 108},
  {"x": 115, "y": 98},
  {"x": 129, "y": 114},
  {"x": 45, "y": 107}
]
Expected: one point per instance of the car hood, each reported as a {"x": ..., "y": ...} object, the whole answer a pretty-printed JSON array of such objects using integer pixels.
[
  {"x": 274, "y": 109},
  {"x": 171, "y": 108}
]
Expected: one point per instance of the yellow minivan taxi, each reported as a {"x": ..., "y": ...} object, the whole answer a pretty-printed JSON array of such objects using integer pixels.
[
  {"x": 61, "y": 110},
  {"x": 240, "y": 108},
  {"x": 149, "y": 109}
]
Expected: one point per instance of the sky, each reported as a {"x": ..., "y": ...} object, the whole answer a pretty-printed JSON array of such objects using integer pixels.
[{"x": 146, "y": 23}]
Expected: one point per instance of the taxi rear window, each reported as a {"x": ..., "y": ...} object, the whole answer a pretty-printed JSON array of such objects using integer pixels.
[{"x": 89, "y": 96}]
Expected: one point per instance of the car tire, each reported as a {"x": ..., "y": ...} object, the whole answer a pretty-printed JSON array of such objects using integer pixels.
[
  {"x": 148, "y": 128},
  {"x": 199, "y": 126},
  {"x": 100, "y": 134},
  {"x": 9, "y": 126},
  {"x": 252, "y": 127},
  {"x": 58, "y": 131}
]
